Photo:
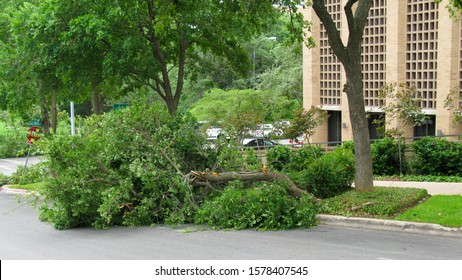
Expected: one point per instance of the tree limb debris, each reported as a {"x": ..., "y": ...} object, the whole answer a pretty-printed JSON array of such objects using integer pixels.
[
  {"x": 355, "y": 208},
  {"x": 208, "y": 179}
]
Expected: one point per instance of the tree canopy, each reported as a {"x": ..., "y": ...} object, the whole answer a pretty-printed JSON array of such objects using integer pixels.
[{"x": 109, "y": 47}]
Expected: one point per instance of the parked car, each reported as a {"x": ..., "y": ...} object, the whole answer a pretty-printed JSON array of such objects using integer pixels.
[
  {"x": 213, "y": 133},
  {"x": 258, "y": 143},
  {"x": 263, "y": 130}
]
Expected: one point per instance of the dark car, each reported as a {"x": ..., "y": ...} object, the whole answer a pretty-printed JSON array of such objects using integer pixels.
[{"x": 258, "y": 143}]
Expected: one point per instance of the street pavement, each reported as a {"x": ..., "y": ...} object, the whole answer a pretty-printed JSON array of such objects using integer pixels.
[
  {"x": 26, "y": 238},
  {"x": 9, "y": 165}
]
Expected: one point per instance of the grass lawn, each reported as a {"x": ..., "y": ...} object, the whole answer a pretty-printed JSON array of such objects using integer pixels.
[
  {"x": 29, "y": 187},
  {"x": 382, "y": 202},
  {"x": 445, "y": 210}
]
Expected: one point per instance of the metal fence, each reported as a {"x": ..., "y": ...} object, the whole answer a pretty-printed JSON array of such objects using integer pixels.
[{"x": 406, "y": 140}]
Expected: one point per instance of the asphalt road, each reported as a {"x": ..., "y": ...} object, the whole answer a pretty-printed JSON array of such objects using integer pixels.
[
  {"x": 23, "y": 236},
  {"x": 9, "y": 165}
]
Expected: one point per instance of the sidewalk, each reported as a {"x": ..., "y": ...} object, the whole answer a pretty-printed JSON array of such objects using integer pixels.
[{"x": 433, "y": 188}]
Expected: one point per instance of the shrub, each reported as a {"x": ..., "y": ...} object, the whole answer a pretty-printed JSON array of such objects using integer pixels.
[
  {"x": 124, "y": 169},
  {"x": 278, "y": 157},
  {"x": 437, "y": 156},
  {"x": 331, "y": 174},
  {"x": 302, "y": 158},
  {"x": 386, "y": 157},
  {"x": 267, "y": 207},
  {"x": 32, "y": 174},
  {"x": 13, "y": 144}
]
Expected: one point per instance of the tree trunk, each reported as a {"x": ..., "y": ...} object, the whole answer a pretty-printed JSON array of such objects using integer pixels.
[
  {"x": 350, "y": 57},
  {"x": 97, "y": 100},
  {"x": 207, "y": 179},
  {"x": 54, "y": 110},
  {"x": 363, "y": 163},
  {"x": 45, "y": 117}
]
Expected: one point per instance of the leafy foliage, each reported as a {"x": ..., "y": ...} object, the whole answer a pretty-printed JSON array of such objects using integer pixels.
[
  {"x": 401, "y": 102},
  {"x": 331, "y": 174},
  {"x": 323, "y": 175},
  {"x": 13, "y": 144},
  {"x": 267, "y": 207},
  {"x": 386, "y": 158},
  {"x": 278, "y": 157},
  {"x": 240, "y": 111},
  {"x": 437, "y": 156},
  {"x": 125, "y": 168},
  {"x": 304, "y": 122}
]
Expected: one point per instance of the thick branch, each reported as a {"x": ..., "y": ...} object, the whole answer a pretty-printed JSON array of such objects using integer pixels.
[
  {"x": 349, "y": 15},
  {"x": 360, "y": 20},
  {"x": 205, "y": 179},
  {"x": 335, "y": 41}
]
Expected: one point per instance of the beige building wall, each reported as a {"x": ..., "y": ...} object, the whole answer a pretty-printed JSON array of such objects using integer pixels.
[
  {"x": 412, "y": 41},
  {"x": 449, "y": 69}
]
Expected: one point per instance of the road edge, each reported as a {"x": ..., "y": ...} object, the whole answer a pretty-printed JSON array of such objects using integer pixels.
[{"x": 391, "y": 225}]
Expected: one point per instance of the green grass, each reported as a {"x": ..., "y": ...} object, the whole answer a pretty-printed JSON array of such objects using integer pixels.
[
  {"x": 29, "y": 187},
  {"x": 381, "y": 202},
  {"x": 445, "y": 210}
]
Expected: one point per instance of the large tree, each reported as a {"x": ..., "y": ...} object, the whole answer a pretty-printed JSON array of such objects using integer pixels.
[
  {"x": 149, "y": 42},
  {"x": 356, "y": 12}
]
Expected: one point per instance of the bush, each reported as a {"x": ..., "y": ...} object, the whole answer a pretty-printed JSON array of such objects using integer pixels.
[
  {"x": 124, "y": 169},
  {"x": 331, "y": 174},
  {"x": 267, "y": 207},
  {"x": 302, "y": 158},
  {"x": 386, "y": 157},
  {"x": 437, "y": 156},
  {"x": 32, "y": 174},
  {"x": 278, "y": 157},
  {"x": 13, "y": 144}
]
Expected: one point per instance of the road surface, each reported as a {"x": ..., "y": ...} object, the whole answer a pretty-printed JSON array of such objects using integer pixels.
[
  {"x": 9, "y": 165},
  {"x": 25, "y": 237}
]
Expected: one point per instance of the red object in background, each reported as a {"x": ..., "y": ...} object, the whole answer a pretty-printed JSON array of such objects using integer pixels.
[{"x": 33, "y": 134}]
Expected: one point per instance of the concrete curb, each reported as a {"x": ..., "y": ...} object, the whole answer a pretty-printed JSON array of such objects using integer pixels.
[{"x": 391, "y": 225}]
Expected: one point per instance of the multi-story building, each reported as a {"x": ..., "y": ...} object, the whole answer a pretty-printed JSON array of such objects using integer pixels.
[{"x": 405, "y": 41}]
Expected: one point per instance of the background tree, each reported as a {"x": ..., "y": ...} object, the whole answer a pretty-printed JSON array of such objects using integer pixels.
[
  {"x": 148, "y": 43},
  {"x": 29, "y": 69},
  {"x": 401, "y": 104},
  {"x": 356, "y": 12},
  {"x": 242, "y": 110},
  {"x": 304, "y": 122}
]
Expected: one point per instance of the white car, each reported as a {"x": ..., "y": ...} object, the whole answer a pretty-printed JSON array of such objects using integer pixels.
[
  {"x": 263, "y": 130},
  {"x": 214, "y": 133}
]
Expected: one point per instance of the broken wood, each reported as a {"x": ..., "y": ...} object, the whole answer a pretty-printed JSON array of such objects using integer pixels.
[
  {"x": 211, "y": 178},
  {"x": 355, "y": 208}
]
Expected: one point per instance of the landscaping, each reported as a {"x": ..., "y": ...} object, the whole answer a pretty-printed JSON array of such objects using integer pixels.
[
  {"x": 127, "y": 170},
  {"x": 445, "y": 210}
]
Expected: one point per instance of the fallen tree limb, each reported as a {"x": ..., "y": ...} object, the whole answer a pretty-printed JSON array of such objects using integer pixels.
[
  {"x": 355, "y": 208},
  {"x": 207, "y": 179}
]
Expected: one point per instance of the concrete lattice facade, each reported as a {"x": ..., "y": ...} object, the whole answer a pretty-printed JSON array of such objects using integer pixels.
[{"x": 412, "y": 41}]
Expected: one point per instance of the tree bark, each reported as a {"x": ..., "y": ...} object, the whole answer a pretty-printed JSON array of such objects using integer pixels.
[
  {"x": 208, "y": 179},
  {"x": 97, "y": 100},
  {"x": 350, "y": 57},
  {"x": 54, "y": 110}
]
